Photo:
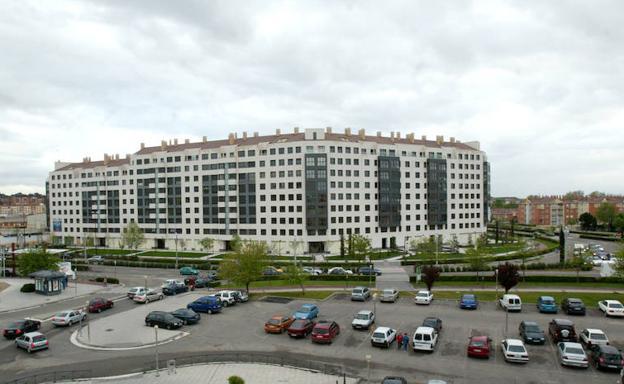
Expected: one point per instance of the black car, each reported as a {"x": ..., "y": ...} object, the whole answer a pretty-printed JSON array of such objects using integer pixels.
[
  {"x": 369, "y": 271},
  {"x": 20, "y": 327},
  {"x": 605, "y": 357},
  {"x": 188, "y": 316},
  {"x": 163, "y": 320},
  {"x": 531, "y": 332},
  {"x": 572, "y": 306},
  {"x": 394, "y": 380},
  {"x": 174, "y": 289},
  {"x": 202, "y": 282},
  {"x": 562, "y": 330},
  {"x": 433, "y": 322}
]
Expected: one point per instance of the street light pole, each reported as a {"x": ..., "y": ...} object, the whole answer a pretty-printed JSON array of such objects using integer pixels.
[
  {"x": 176, "y": 246},
  {"x": 156, "y": 346},
  {"x": 368, "y": 360},
  {"x": 145, "y": 282}
]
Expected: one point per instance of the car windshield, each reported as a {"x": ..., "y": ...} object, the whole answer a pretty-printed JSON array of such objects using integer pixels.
[
  {"x": 574, "y": 351},
  {"x": 477, "y": 343},
  {"x": 298, "y": 324},
  {"x": 532, "y": 328},
  {"x": 429, "y": 323},
  {"x": 469, "y": 297},
  {"x": 392, "y": 381},
  {"x": 357, "y": 291},
  {"x": 612, "y": 356},
  {"x": 321, "y": 331},
  {"x": 38, "y": 338},
  {"x": 304, "y": 310},
  {"x": 599, "y": 336},
  {"x": 548, "y": 302},
  {"x": 388, "y": 292},
  {"x": 615, "y": 305},
  {"x": 516, "y": 348},
  {"x": 274, "y": 321},
  {"x": 16, "y": 324},
  {"x": 362, "y": 316},
  {"x": 379, "y": 335},
  {"x": 422, "y": 294},
  {"x": 62, "y": 314}
]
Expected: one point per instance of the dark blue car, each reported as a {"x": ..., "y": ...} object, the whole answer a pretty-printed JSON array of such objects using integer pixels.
[
  {"x": 207, "y": 304},
  {"x": 468, "y": 301}
]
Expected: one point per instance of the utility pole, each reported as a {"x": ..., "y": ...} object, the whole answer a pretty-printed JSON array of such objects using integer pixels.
[
  {"x": 176, "y": 247},
  {"x": 156, "y": 345}
]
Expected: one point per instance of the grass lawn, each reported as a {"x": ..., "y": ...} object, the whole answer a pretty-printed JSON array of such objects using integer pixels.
[
  {"x": 441, "y": 256},
  {"x": 381, "y": 255},
  {"x": 502, "y": 248},
  {"x": 288, "y": 258},
  {"x": 317, "y": 295},
  {"x": 107, "y": 251},
  {"x": 173, "y": 254},
  {"x": 589, "y": 298}
]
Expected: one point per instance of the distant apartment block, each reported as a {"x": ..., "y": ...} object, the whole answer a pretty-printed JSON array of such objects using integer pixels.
[{"x": 312, "y": 186}]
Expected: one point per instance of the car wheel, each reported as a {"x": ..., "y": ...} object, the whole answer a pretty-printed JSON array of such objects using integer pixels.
[
  {"x": 29, "y": 350},
  {"x": 225, "y": 304},
  {"x": 210, "y": 311},
  {"x": 99, "y": 310},
  {"x": 169, "y": 326}
]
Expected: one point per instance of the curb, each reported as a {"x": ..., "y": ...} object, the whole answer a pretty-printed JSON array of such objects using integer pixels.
[{"x": 74, "y": 340}]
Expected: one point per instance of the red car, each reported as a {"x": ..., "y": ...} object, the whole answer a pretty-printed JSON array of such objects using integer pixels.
[
  {"x": 325, "y": 331},
  {"x": 300, "y": 328},
  {"x": 99, "y": 304},
  {"x": 479, "y": 346}
]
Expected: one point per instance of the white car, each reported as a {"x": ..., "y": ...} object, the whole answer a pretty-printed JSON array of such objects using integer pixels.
[
  {"x": 363, "y": 320},
  {"x": 423, "y": 297},
  {"x": 389, "y": 295},
  {"x": 611, "y": 308},
  {"x": 572, "y": 354},
  {"x": 339, "y": 271},
  {"x": 591, "y": 336},
  {"x": 148, "y": 296},
  {"x": 510, "y": 302},
  {"x": 383, "y": 337},
  {"x": 68, "y": 317},
  {"x": 424, "y": 339},
  {"x": 312, "y": 271},
  {"x": 514, "y": 351},
  {"x": 227, "y": 297}
]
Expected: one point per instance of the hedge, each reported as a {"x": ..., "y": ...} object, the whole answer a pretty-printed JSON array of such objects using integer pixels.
[
  {"x": 29, "y": 287},
  {"x": 324, "y": 278},
  {"x": 109, "y": 280},
  {"x": 599, "y": 237},
  {"x": 531, "y": 278}
]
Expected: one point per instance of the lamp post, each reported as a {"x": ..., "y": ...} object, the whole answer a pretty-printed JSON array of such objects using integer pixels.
[
  {"x": 375, "y": 304},
  {"x": 176, "y": 248},
  {"x": 76, "y": 280},
  {"x": 156, "y": 348},
  {"x": 368, "y": 361},
  {"x": 145, "y": 282}
]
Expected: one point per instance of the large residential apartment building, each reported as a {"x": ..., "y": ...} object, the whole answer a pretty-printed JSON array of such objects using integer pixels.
[{"x": 311, "y": 186}]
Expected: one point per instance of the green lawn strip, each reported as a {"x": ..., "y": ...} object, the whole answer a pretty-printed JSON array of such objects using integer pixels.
[
  {"x": 107, "y": 251},
  {"x": 526, "y": 285},
  {"x": 288, "y": 258},
  {"x": 308, "y": 283},
  {"x": 504, "y": 248},
  {"x": 373, "y": 256},
  {"x": 590, "y": 299},
  {"x": 173, "y": 254},
  {"x": 317, "y": 295}
]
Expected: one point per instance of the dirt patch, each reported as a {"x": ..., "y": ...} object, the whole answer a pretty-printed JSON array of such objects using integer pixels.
[{"x": 3, "y": 286}]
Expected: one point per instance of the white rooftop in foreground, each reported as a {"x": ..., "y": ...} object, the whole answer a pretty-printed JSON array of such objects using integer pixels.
[{"x": 218, "y": 373}]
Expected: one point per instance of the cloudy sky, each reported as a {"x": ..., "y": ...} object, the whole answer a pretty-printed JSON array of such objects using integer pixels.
[{"x": 540, "y": 84}]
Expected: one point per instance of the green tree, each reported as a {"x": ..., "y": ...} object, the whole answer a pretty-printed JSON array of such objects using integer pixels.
[
  {"x": 132, "y": 236},
  {"x": 246, "y": 264},
  {"x": 37, "y": 260},
  {"x": 236, "y": 243},
  {"x": 361, "y": 246},
  {"x": 423, "y": 247},
  {"x": 579, "y": 263},
  {"x": 587, "y": 221},
  {"x": 294, "y": 246},
  {"x": 430, "y": 274},
  {"x": 618, "y": 224},
  {"x": 295, "y": 275},
  {"x": 350, "y": 247},
  {"x": 475, "y": 260},
  {"x": 508, "y": 276},
  {"x": 342, "y": 246},
  {"x": 619, "y": 265},
  {"x": 235, "y": 380},
  {"x": 606, "y": 213},
  {"x": 454, "y": 243},
  {"x": 207, "y": 243}
]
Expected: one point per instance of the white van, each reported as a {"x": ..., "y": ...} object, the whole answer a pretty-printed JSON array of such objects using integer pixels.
[
  {"x": 425, "y": 339},
  {"x": 511, "y": 302}
]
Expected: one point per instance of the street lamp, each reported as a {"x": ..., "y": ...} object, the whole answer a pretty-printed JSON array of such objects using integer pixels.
[
  {"x": 145, "y": 282},
  {"x": 156, "y": 347},
  {"x": 375, "y": 304},
  {"x": 368, "y": 360}
]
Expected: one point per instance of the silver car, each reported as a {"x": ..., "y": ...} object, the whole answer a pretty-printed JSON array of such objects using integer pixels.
[
  {"x": 572, "y": 354},
  {"x": 68, "y": 317},
  {"x": 33, "y": 341},
  {"x": 389, "y": 295},
  {"x": 148, "y": 296}
]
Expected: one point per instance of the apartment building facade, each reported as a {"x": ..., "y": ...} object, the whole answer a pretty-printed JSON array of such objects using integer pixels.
[{"x": 311, "y": 187}]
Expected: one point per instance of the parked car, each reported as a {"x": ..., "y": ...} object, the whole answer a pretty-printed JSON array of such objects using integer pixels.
[
  {"x": 21, "y": 327},
  {"x": 572, "y": 354},
  {"x": 363, "y": 320},
  {"x": 99, "y": 304},
  {"x": 312, "y": 271},
  {"x": 163, "y": 320},
  {"x": 573, "y": 306},
  {"x": 339, "y": 271},
  {"x": 424, "y": 339},
  {"x": 148, "y": 296},
  {"x": 389, "y": 295},
  {"x": 605, "y": 357},
  {"x": 423, "y": 297},
  {"x": 369, "y": 271},
  {"x": 562, "y": 330},
  {"x": 241, "y": 296},
  {"x": 325, "y": 331},
  {"x": 433, "y": 322},
  {"x": 591, "y": 336},
  {"x": 188, "y": 316},
  {"x": 531, "y": 332},
  {"x": 468, "y": 301},
  {"x": 174, "y": 288},
  {"x": 307, "y": 311},
  {"x": 95, "y": 260},
  {"x": 479, "y": 346},
  {"x": 207, "y": 304},
  {"x": 227, "y": 297},
  {"x": 611, "y": 308},
  {"x": 360, "y": 294},
  {"x": 200, "y": 282},
  {"x": 212, "y": 274},
  {"x": 300, "y": 328},
  {"x": 514, "y": 351},
  {"x": 546, "y": 304},
  {"x": 189, "y": 271},
  {"x": 272, "y": 271},
  {"x": 278, "y": 324},
  {"x": 32, "y": 341},
  {"x": 511, "y": 303},
  {"x": 394, "y": 380},
  {"x": 134, "y": 291},
  {"x": 383, "y": 337},
  {"x": 68, "y": 317}
]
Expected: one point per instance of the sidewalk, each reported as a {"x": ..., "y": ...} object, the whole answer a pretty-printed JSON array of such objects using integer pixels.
[{"x": 12, "y": 299}]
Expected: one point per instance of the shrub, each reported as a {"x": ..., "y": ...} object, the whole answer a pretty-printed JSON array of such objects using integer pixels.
[
  {"x": 235, "y": 380},
  {"x": 30, "y": 287}
]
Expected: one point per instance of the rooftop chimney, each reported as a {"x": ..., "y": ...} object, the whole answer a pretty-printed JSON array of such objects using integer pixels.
[
  {"x": 231, "y": 138},
  {"x": 392, "y": 135},
  {"x": 186, "y": 141},
  {"x": 398, "y": 135},
  {"x": 410, "y": 138},
  {"x": 328, "y": 130},
  {"x": 256, "y": 134},
  {"x": 362, "y": 134},
  {"x": 278, "y": 131},
  {"x": 127, "y": 156},
  {"x": 204, "y": 139},
  {"x": 348, "y": 131},
  {"x": 439, "y": 140},
  {"x": 423, "y": 137},
  {"x": 378, "y": 133},
  {"x": 296, "y": 129},
  {"x": 175, "y": 141},
  {"x": 163, "y": 144},
  {"x": 142, "y": 145},
  {"x": 452, "y": 139},
  {"x": 244, "y": 135}
]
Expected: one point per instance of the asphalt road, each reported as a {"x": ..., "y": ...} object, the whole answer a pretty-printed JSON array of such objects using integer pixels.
[{"x": 240, "y": 329}]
